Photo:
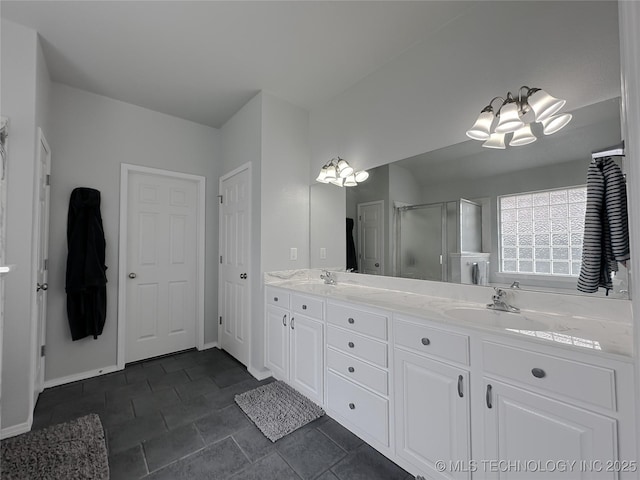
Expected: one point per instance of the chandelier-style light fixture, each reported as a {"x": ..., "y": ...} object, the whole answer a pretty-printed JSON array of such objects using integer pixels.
[
  {"x": 338, "y": 172},
  {"x": 510, "y": 115}
]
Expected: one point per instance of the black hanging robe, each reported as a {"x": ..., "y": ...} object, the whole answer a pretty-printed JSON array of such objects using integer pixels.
[
  {"x": 352, "y": 263},
  {"x": 86, "y": 282}
]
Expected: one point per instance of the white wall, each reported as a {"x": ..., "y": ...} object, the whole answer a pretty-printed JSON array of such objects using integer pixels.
[
  {"x": 23, "y": 99},
  {"x": 327, "y": 202},
  {"x": 91, "y": 136}
]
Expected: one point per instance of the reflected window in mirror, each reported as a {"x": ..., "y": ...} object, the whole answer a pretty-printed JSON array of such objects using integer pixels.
[{"x": 541, "y": 232}]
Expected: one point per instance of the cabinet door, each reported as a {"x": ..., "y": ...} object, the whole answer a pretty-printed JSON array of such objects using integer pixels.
[
  {"x": 432, "y": 415},
  {"x": 525, "y": 428},
  {"x": 307, "y": 341},
  {"x": 277, "y": 342}
]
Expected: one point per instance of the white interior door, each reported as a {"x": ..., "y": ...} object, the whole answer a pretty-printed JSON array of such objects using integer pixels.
[
  {"x": 235, "y": 234},
  {"x": 42, "y": 245},
  {"x": 162, "y": 275},
  {"x": 371, "y": 237}
]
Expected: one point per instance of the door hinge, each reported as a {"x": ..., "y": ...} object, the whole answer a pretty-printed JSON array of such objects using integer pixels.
[
  {"x": 221, "y": 199},
  {"x": 47, "y": 180},
  {"x": 46, "y": 264},
  {"x": 42, "y": 350},
  {"x": 220, "y": 321}
]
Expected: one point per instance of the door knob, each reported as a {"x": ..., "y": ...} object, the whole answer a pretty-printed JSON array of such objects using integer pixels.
[
  {"x": 44, "y": 287},
  {"x": 377, "y": 264},
  {"x": 132, "y": 275},
  {"x": 243, "y": 276}
]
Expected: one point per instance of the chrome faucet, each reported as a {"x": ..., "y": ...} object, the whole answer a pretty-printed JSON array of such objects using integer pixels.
[
  {"x": 499, "y": 302},
  {"x": 328, "y": 278},
  {"x": 515, "y": 284}
]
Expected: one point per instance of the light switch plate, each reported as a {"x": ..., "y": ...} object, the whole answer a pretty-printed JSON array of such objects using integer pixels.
[
  {"x": 293, "y": 253},
  {"x": 323, "y": 253}
]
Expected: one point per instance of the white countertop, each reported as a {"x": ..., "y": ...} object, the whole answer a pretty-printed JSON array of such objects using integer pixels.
[{"x": 574, "y": 331}]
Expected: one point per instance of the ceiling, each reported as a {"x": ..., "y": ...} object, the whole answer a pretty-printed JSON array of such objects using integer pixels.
[{"x": 203, "y": 60}]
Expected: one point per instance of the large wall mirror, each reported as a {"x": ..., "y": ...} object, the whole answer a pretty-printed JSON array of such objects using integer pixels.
[{"x": 473, "y": 215}]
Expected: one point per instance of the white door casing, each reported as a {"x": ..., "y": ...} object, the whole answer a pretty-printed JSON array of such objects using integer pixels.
[
  {"x": 371, "y": 237},
  {"x": 234, "y": 297},
  {"x": 41, "y": 245},
  {"x": 161, "y": 268}
]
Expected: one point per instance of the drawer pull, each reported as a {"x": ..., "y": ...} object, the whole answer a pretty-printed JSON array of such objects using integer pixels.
[
  {"x": 351, "y": 320},
  {"x": 351, "y": 369},
  {"x": 304, "y": 307},
  {"x": 291, "y": 322},
  {"x": 275, "y": 299},
  {"x": 426, "y": 341},
  {"x": 488, "y": 397},
  {"x": 284, "y": 320},
  {"x": 460, "y": 379},
  {"x": 352, "y": 406},
  {"x": 538, "y": 373},
  {"x": 351, "y": 345}
]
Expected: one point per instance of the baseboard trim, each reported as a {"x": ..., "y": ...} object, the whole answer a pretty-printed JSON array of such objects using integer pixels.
[
  {"x": 14, "y": 430},
  {"x": 80, "y": 376},
  {"x": 259, "y": 375},
  {"x": 207, "y": 346}
]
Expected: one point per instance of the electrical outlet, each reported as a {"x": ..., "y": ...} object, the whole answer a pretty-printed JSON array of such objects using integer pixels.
[
  {"x": 293, "y": 253},
  {"x": 323, "y": 253}
]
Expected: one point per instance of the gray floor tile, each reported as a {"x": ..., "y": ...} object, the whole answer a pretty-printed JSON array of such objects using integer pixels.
[
  {"x": 253, "y": 442},
  {"x": 231, "y": 376},
  {"x": 141, "y": 374},
  {"x": 56, "y": 395},
  {"x": 128, "y": 464},
  {"x": 116, "y": 412},
  {"x": 368, "y": 464},
  {"x": 104, "y": 383},
  {"x": 340, "y": 435},
  {"x": 169, "y": 380},
  {"x": 180, "y": 362},
  {"x": 195, "y": 388},
  {"x": 216, "y": 462},
  {"x": 83, "y": 405},
  {"x": 225, "y": 396},
  {"x": 327, "y": 476},
  {"x": 309, "y": 453},
  {"x": 187, "y": 412},
  {"x": 128, "y": 391},
  {"x": 154, "y": 401},
  {"x": 272, "y": 467},
  {"x": 222, "y": 423},
  {"x": 172, "y": 445},
  {"x": 127, "y": 434}
]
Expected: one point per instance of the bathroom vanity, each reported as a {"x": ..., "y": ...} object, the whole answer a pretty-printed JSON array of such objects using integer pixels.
[{"x": 449, "y": 389}]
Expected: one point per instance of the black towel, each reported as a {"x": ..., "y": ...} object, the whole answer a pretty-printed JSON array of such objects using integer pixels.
[{"x": 352, "y": 263}]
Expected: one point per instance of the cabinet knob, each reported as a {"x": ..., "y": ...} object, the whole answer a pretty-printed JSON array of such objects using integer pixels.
[
  {"x": 351, "y": 345},
  {"x": 538, "y": 373},
  {"x": 426, "y": 341},
  {"x": 304, "y": 307},
  {"x": 352, "y": 406},
  {"x": 351, "y": 369},
  {"x": 351, "y": 320},
  {"x": 132, "y": 275},
  {"x": 275, "y": 299}
]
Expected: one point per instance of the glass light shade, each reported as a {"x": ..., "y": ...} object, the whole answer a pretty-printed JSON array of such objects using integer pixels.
[
  {"x": 544, "y": 105},
  {"x": 481, "y": 130},
  {"x": 553, "y": 124},
  {"x": 522, "y": 136},
  {"x": 331, "y": 173},
  {"x": 322, "y": 176},
  {"x": 496, "y": 140},
  {"x": 361, "y": 176},
  {"x": 344, "y": 169},
  {"x": 510, "y": 120},
  {"x": 338, "y": 181},
  {"x": 350, "y": 181}
]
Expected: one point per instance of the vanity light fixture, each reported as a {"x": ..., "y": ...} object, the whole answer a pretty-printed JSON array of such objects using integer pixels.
[
  {"x": 338, "y": 172},
  {"x": 510, "y": 117}
]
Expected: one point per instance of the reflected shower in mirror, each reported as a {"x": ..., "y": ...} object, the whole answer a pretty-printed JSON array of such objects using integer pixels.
[{"x": 466, "y": 214}]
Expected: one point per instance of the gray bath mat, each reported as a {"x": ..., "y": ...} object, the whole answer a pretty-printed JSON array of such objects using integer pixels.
[
  {"x": 277, "y": 409},
  {"x": 73, "y": 450}
]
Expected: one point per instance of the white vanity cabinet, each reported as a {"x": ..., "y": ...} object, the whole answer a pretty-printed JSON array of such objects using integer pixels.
[
  {"x": 294, "y": 349},
  {"x": 432, "y": 414},
  {"x": 358, "y": 372}
]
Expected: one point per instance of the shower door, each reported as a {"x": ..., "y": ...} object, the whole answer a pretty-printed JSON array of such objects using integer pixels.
[{"x": 421, "y": 242}]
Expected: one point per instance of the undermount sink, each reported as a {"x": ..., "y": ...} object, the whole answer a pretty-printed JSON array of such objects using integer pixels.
[
  {"x": 317, "y": 288},
  {"x": 496, "y": 318}
]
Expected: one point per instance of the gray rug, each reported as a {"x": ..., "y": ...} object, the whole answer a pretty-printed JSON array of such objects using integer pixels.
[
  {"x": 74, "y": 450},
  {"x": 277, "y": 409}
]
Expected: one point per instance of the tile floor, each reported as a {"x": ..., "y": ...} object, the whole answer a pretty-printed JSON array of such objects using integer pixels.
[{"x": 175, "y": 418}]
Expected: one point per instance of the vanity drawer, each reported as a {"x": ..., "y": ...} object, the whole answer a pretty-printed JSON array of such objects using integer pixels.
[
  {"x": 365, "y": 410},
  {"x": 580, "y": 381},
  {"x": 357, "y": 345},
  {"x": 277, "y": 297},
  {"x": 357, "y": 320},
  {"x": 308, "y": 306},
  {"x": 358, "y": 370},
  {"x": 425, "y": 339}
]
